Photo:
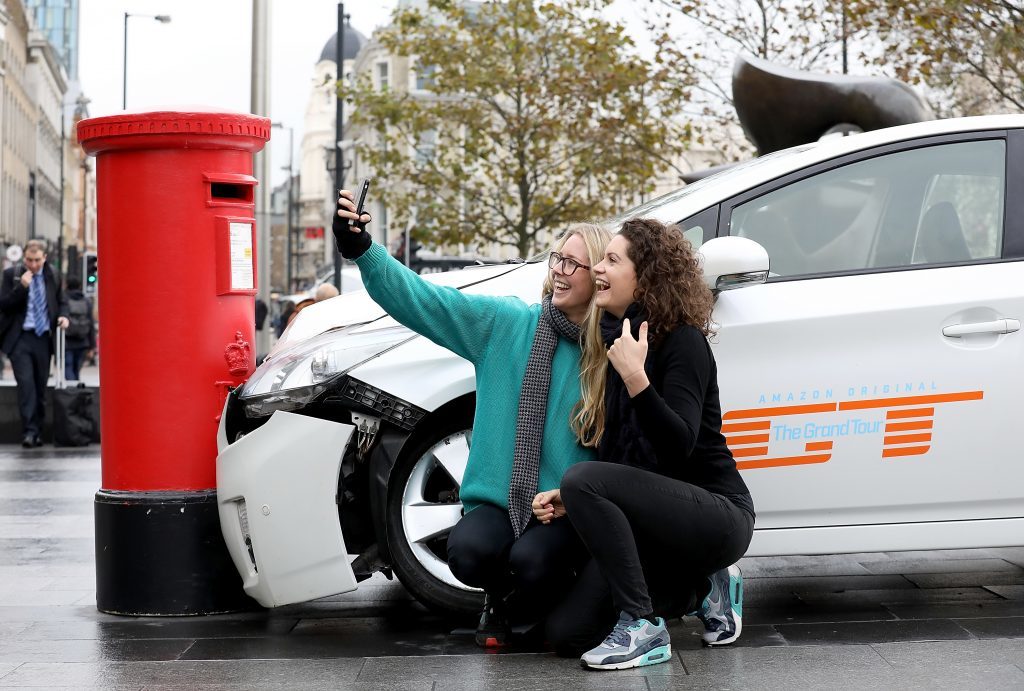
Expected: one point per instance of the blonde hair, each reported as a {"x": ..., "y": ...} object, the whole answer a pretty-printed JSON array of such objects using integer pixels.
[{"x": 588, "y": 414}]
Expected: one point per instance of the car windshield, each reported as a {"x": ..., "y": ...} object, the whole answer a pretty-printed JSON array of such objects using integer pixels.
[{"x": 647, "y": 208}]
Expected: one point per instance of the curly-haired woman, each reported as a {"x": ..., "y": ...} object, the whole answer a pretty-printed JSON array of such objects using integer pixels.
[{"x": 663, "y": 511}]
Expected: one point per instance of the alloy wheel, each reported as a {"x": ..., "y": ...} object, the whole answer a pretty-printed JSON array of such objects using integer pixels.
[{"x": 431, "y": 506}]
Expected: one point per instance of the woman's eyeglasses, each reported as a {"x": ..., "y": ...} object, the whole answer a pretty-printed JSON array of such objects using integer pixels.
[{"x": 566, "y": 265}]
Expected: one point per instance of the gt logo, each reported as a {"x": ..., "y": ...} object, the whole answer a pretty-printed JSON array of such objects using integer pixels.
[{"x": 907, "y": 428}]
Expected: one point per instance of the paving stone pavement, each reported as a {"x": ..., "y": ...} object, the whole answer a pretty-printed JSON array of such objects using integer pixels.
[{"x": 952, "y": 619}]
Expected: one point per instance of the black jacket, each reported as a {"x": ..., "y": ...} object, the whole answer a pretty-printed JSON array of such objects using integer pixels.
[
  {"x": 674, "y": 426},
  {"x": 14, "y": 305}
]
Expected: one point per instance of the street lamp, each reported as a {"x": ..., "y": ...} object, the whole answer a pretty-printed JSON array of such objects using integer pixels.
[
  {"x": 291, "y": 180},
  {"x": 163, "y": 19},
  {"x": 339, "y": 120}
]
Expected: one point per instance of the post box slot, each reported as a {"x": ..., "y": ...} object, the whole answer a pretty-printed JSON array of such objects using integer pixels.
[{"x": 231, "y": 191}]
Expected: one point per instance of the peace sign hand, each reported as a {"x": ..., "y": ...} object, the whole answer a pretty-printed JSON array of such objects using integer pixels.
[{"x": 627, "y": 355}]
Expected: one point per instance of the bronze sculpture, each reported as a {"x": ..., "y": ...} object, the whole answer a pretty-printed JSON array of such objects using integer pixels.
[{"x": 780, "y": 107}]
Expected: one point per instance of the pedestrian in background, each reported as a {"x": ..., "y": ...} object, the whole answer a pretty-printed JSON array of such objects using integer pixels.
[
  {"x": 80, "y": 341},
  {"x": 32, "y": 308},
  {"x": 299, "y": 306},
  {"x": 284, "y": 317},
  {"x": 326, "y": 291},
  {"x": 261, "y": 314}
]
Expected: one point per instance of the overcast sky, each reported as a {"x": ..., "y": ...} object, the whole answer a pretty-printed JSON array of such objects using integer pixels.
[{"x": 202, "y": 57}]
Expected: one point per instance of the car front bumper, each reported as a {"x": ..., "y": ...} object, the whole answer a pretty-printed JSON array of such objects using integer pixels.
[{"x": 277, "y": 497}]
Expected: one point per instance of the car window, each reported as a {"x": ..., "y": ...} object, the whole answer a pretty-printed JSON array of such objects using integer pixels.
[
  {"x": 695, "y": 235},
  {"x": 651, "y": 209},
  {"x": 975, "y": 201},
  {"x": 932, "y": 205},
  {"x": 700, "y": 225}
]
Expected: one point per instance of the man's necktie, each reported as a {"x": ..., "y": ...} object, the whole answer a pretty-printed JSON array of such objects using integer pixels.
[{"x": 37, "y": 295}]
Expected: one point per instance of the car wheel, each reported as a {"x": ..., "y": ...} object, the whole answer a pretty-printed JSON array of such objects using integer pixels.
[{"x": 423, "y": 507}]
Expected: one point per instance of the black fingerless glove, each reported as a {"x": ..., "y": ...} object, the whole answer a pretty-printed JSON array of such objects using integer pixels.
[{"x": 351, "y": 245}]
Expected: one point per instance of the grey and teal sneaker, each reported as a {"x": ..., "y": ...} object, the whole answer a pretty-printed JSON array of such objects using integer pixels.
[
  {"x": 722, "y": 609},
  {"x": 632, "y": 643}
]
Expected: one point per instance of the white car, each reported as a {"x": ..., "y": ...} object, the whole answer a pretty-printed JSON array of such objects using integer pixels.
[{"x": 870, "y": 387}]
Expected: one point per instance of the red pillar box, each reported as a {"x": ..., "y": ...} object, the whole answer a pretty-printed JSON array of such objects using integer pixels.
[{"x": 177, "y": 240}]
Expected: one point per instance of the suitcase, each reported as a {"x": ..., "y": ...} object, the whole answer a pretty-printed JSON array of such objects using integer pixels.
[{"x": 73, "y": 420}]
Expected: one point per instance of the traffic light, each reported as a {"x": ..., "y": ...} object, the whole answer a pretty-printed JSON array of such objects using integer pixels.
[{"x": 90, "y": 274}]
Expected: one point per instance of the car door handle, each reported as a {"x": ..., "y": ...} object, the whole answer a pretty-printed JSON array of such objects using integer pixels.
[{"x": 999, "y": 326}]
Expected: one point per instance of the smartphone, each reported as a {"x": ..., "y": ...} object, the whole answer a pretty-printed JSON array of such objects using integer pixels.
[{"x": 362, "y": 197}]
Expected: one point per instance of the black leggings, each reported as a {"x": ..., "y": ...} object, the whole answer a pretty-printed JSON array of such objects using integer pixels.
[
  {"x": 653, "y": 541},
  {"x": 537, "y": 569}
]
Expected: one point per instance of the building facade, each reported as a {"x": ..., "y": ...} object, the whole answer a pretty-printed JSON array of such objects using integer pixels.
[
  {"x": 58, "y": 20},
  {"x": 47, "y": 88},
  {"x": 18, "y": 145},
  {"x": 79, "y": 200},
  {"x": 313, "y": 246},
  {"x": 57, "y": 24}
]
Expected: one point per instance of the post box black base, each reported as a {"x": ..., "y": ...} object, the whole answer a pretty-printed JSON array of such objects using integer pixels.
[{"x": 162, "y": 554}]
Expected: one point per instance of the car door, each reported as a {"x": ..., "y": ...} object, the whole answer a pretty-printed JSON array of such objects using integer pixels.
[{"x": 876, "y": 378}]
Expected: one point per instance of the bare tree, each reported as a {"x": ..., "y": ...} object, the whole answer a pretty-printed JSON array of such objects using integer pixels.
[
  {"x": 970, "y": 55},
  {"x": 703, "y": 37}
]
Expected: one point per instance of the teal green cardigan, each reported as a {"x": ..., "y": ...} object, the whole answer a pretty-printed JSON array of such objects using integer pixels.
[{"x": 495, "y": 334}]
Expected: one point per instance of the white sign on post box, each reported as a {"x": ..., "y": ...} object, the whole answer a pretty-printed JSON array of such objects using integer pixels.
[{"x": 241, "y": 256}]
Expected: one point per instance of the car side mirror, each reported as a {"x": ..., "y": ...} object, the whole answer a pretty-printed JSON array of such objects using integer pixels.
[{"x": 733, "y": 262}]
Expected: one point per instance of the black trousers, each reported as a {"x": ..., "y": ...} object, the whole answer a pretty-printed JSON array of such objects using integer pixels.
[
  {"x": 653, "y": 542},
  {"x": 533, "y": 572},
  {"x": 30, "y": 361}
]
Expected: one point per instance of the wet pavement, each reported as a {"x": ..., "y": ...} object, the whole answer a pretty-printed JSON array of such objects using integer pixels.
[{"x": 952, "y": 619}]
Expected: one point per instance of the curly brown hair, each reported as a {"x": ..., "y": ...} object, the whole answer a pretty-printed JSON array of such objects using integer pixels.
[{"x": 670, "y": 284}]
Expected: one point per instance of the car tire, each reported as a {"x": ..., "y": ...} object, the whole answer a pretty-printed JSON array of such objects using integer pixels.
[{"x": 422, "y": 509}]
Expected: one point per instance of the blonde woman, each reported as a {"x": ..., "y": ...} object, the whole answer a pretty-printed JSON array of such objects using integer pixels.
[{"x": 527, "y": 361}]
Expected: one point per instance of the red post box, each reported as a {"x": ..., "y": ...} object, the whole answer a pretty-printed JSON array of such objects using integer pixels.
[{"x": 177, "y": 241}]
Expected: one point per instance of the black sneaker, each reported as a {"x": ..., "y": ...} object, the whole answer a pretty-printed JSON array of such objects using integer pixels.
[
  {"x": 493, "y": 630},
  {"x": 28, "y": 441}
]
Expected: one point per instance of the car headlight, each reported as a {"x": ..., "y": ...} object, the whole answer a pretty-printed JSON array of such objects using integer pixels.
[{"x": 299, "y": 374}]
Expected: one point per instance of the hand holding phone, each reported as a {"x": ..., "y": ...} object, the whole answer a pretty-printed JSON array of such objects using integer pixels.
[{"x": 349, "y": 237}]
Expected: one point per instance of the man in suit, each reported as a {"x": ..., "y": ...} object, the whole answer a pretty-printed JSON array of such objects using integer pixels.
[{"x": 32, "y": 308}]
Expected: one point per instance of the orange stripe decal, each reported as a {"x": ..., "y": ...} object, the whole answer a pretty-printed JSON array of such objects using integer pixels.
[
  {"x": 910, "y": 412},
  {"x": 747, "y": 439},
  {"x": 907, "y": 438},
  {"x": 818, "y": 446},
  {"x": 912, "y": 400},
  {"x": 749, "y": 451},
  {"x": 785, "y": 461},
  {"x": 781, "y": 410},
  {"x": 746, "y": 426},
  {"x": 907, "y": 426},
  {"x": 905, "y": 451}
]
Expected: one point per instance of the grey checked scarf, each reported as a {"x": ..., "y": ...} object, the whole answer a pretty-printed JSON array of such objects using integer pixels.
[{"x": 533, "y": 407}]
